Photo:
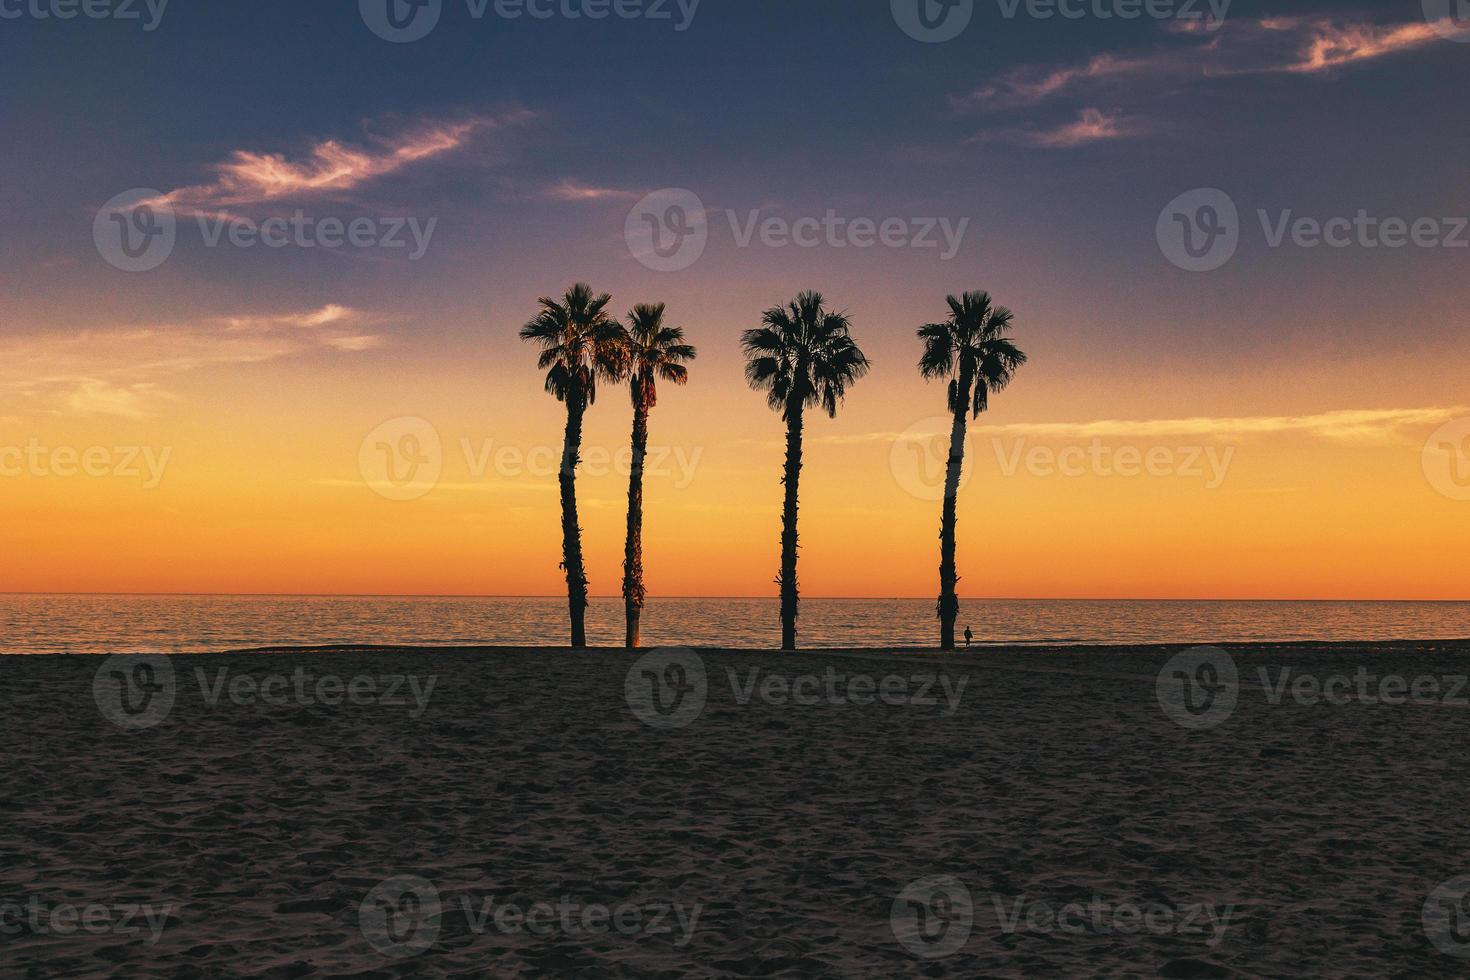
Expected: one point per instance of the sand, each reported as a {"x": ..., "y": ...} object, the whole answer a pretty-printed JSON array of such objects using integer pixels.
[{"x": 766, "y": 838}]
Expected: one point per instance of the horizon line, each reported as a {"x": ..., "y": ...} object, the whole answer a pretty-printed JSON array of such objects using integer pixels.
[{"x": 773, "y": 598}]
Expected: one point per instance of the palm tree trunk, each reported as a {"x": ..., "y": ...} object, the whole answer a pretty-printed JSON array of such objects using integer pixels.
[
  {"x": 949, "y": 601},
  {"x": 571, "y": 531},
  {"x": 633, "y": 591},
  {"x": 792, "y": 478}
]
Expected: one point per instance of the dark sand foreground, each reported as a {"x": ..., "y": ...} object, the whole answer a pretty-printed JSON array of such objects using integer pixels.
[{"x": 776, "y": 837}]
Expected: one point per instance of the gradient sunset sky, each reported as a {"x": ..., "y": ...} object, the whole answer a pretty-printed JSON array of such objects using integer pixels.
[{"x": 1317, "y": 375}]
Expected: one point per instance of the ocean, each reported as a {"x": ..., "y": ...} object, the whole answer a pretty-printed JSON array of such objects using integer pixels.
[{"x": 191, "y": 624}]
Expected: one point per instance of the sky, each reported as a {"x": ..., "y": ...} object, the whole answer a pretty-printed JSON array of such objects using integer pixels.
[{"x": 262, "y": 267}]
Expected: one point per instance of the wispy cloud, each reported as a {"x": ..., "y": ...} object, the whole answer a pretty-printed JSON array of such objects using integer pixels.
[
  {"x": 1030, "y": 85},
  {"x": 1090, "y": 126},
  {"x": 1302, "y": 45},
  {"x": 97, "y": 396},
  {"x": 572, "y": 190},
  {"x": 122, "y": 372},
  {"x": 326, "y": 167},
  {"x": 1378, "y": 426},
  {"x": 1320, "y": 44}
]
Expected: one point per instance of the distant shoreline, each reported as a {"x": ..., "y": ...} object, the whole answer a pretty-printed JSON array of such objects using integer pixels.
[
  {"x": 1455, "y": 645},
  {"x": 710, "y": 598}
]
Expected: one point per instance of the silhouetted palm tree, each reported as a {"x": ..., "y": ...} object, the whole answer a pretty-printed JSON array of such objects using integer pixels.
[
  {"x": 803, "y": 356},
  {"x": 971, "y": 350},
  {"x": 653, "y": 352},
  {"x": 579, "y": 344}
]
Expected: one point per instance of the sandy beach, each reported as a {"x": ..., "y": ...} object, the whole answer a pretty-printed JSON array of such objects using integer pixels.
[{"x": 836, "y": 813}]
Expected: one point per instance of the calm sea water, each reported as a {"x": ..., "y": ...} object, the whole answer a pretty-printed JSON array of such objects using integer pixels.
[{"x": 108, "y": 624}]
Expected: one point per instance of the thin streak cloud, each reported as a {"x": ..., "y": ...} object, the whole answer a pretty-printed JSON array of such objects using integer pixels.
[
  {"x": 1090, "y": 126},
  {"x": 1373, "y": 426},
  {"x": 1304, "y": 45},
  {"x": 328, "y": 166}
]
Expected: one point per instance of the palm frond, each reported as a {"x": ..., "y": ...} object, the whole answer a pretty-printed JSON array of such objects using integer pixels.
[
  {"x": 802, "y": 356},
  {"x": 971, "y": 348},
  {"x": 579, "y": 343}
]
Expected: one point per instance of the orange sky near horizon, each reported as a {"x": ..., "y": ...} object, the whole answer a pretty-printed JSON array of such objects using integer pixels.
[{"x": 261, "y": 489}]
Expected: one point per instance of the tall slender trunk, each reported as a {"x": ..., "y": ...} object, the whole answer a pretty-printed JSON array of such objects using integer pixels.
[
  {"x": 633, "y": 591},
  {"x": 949, "y": 601},
  {"x": 792, "y": 478},
  {"x": 571, "y": 531}
]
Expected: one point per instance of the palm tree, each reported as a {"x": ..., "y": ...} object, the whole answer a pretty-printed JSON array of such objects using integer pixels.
[
  {"x": 579, "y": 345},
  {"x": 972, "y": 351},
  {"x": 803, "y": 356},
  {"x": 652, "y": 352}
]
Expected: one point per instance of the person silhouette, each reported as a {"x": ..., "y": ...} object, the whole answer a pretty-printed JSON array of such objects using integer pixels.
[{"x": 968, "y": 636}]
